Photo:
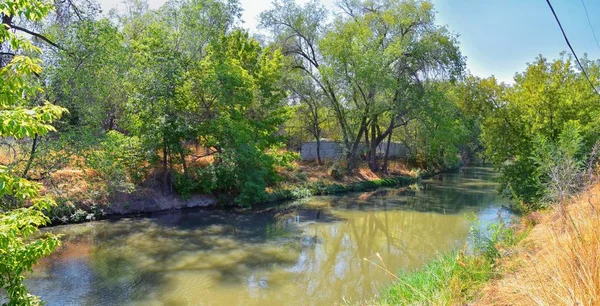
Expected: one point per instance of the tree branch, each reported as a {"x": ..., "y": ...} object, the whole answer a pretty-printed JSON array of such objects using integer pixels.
[{"x": 40, "y": 36}]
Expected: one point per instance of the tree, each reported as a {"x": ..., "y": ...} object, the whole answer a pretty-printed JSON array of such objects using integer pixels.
[
  {"x": 546, "y": 98},
  {"x": 19, "y": 250},
  {"x": 164, "y": 44},
  {"x": 235, "y": 100},
  {"x": 310, "y": 106},
  {"x": 88, "y": 80},
  {"x": 371, "y": 65}
]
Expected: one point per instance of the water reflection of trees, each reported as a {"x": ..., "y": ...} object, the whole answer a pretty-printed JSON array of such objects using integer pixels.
[
  {"x": 405, "y": 239},
  {"x": 452, "y": 193},
  {"x": 299, "y": 256},
  {"x": 134, "y": 259}
]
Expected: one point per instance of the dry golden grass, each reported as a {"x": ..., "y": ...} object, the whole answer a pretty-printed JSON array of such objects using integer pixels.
[
  {"x": 315, "y": 172},
  {"x": 559, "y": 262}
]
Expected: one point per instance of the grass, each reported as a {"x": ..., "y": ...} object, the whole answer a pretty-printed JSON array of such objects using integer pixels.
[
  {"x": 559, "y": 263},
  {"x": 451, "y": 279},
  {"x": 454, "y": 278},
  {"x": 308, "y": 189}
]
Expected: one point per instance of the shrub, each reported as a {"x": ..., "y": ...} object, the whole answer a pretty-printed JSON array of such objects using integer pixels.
[
  {"x": 119, "y": 161},
  {"x": 337, "y": 171},
  {"x": 300, "y": 192},
  {"x": 553, "y": 171},
  {"x": 489, "y": 240}
]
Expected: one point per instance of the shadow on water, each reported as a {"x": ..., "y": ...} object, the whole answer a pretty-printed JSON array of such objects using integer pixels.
[
  {"x": 114, "y": 262},
  {"x": 313, "y": 250}
]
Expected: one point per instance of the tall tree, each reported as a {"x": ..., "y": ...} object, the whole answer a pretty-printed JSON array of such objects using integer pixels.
[
  {"x": 163, "y": 46},
  {"x": 370, "y": 65},
  {"x": 546, "y": 99},
  {"x": 235, "y": 100},
  {"x": 88, "y": 80}
]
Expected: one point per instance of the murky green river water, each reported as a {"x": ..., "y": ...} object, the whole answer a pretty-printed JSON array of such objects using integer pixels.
[{"x": 311, "y": 254}]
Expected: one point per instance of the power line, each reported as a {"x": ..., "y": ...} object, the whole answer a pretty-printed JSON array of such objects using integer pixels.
[
  {"x": 570, "y": 47},
  {"x": 590, "y": 23}
]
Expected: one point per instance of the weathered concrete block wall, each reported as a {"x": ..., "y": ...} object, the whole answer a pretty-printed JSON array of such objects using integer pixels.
[
  {"x": 329, "y": 150},
  {"x": 333, "y": 150},
  {"x": 396, "y": 150}
]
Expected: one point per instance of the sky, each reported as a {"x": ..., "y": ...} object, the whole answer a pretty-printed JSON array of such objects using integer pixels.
[{"x": 498, "y": 37}]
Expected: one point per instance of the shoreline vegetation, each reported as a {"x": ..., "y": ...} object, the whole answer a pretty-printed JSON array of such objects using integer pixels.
[
  {"x": 549, "y": 257},
  {"x": 306, "y": 180}
]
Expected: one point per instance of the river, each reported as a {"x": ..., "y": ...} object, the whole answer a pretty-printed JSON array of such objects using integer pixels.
[{"x": 312, "y": 253}]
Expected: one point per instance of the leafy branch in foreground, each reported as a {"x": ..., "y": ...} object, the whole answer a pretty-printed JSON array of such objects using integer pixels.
[{"x": 20, "y": 246}]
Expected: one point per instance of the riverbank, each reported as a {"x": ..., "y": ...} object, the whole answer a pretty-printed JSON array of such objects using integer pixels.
[
  {"x": 76, "y": 203},
  {"x": 549, "y": 258},
  {"x": 559, "y": 261}
]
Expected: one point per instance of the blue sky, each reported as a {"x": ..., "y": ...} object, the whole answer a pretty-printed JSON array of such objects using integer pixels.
[{"x": 498, "y": 37}]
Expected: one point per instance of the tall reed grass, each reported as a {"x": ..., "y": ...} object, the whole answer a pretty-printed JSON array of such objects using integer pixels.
[{"x": 559, "y": 263}]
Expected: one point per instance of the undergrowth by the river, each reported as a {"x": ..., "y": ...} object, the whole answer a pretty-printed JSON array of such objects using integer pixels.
[
  {"x": 72, "y": 210},
  {"x": 456, "y": 277},
  {"x": 320, "y": 188}
]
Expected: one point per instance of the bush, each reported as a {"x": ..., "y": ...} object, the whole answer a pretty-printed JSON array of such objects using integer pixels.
[
  {"x": 119, "y": 161},
  {"x": 300, "y": 193},
  {"x": 66, "y": 212},
  {"x": 553, "y": 171},
  {"x": 337, "y": 171},
  {"x": 560, "y": 164},
  {"x": 488, "y": 241}
]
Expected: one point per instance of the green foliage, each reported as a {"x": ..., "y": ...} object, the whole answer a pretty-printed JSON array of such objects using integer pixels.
[
  {"x": 88, "y": 80},
  {"x": 20, "y": 245},
  {"x": 117, "y": 160},
  {"x": 560, "y": 165},
  {"x": 20, "y": 252},
  {"x": 374, "y": 67},
  {"x": 522, "y": 125},
  {"x": 443, "y": 129},
  {"x": 239, "y": 81}
]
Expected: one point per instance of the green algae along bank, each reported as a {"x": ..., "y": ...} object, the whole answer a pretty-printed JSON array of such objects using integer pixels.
[{"x": 310, "y": 254}]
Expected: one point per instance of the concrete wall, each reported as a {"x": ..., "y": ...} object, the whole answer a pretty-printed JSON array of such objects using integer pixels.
[{"x": 332, "y": 150}]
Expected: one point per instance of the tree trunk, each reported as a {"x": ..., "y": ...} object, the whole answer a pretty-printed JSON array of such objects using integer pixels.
[
  {"x": 319, "y": 160},
  {"x": 31, "y": 155},
  {"x": 351, "y": 155},
  {"x": 373, "y": 148},
  {"x": 217, "y": 159},
  {"x": 170, "y": 174},
  {"x": 183, "y": 162},
  {"x": 384, "y": 168},
  {"x": 111, "y": 123},
  {"x": 368, "y": 147},
  {"x": 165, "y": 169}
]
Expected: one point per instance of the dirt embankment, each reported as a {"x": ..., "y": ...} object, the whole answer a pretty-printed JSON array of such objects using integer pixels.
[{"x": 82, "y": 195}]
